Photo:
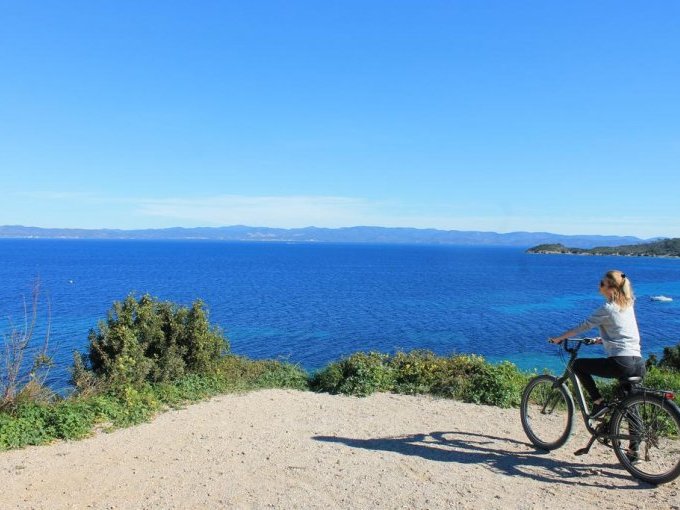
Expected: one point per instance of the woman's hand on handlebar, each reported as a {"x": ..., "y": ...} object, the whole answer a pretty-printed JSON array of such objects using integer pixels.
[{"x": 588, "y": 341}]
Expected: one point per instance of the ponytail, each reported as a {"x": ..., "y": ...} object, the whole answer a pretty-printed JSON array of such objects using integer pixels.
[{"x": 622, "y": 289}]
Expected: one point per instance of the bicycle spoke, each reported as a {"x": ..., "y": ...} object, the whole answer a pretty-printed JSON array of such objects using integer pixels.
[
  {"x": 653, "y": 431},
  {"x": 552, "y": 400}
]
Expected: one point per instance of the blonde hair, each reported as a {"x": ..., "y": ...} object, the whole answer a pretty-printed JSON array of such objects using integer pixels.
[{"x": 621, "y": 288}]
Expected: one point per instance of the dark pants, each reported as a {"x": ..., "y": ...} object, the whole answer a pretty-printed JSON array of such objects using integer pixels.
[{"x": 616, "y": 367}]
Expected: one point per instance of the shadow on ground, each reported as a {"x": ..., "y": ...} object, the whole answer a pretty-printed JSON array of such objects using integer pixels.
[{"x": 501, "y": 454}]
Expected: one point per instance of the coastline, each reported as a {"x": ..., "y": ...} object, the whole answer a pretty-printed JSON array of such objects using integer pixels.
[
  {"x": 603, "y": 254},
  {"x": 665, "y": 248},
  {"x": 291, "y": 449}
]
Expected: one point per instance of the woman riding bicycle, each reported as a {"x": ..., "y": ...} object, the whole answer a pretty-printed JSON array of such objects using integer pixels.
[{"x": 618, "y": 333}]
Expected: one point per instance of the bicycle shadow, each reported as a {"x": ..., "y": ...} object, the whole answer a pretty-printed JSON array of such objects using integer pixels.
[{"x": 471, "y": 448}]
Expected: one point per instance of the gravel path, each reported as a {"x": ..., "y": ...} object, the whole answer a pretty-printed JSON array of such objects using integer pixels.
[{"x": 289, "y": 449}]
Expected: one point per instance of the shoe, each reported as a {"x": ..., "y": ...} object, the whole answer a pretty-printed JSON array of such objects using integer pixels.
[{"x": 598, "y": 410}]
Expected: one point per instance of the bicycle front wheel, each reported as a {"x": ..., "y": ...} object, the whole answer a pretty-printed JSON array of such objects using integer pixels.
[
  {"x": 646, "y": 438},
  {"x": 547, "y": 412}
]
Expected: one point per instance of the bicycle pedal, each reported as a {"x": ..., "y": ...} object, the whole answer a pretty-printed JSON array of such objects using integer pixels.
[{"x": 582, "y": 451}]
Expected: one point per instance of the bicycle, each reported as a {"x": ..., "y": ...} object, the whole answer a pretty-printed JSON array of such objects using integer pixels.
[{"x": 647, "y": 420}]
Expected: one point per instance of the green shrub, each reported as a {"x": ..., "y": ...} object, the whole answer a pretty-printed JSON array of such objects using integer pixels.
[
  {"x": 70, "y": 420},
  {"x": 465, "y": 377},
  {"x": 85, "y": 381},
  {"x": 328, "y": 379},
  {"x": 39, "y": 423},
  {"x": 609, "y": 389},
  {"x": 671, "y": 358},
  {"x": 26, "y": 426},
  {"x": 360, "y": 374},
  {"x": 497, "y": 385},
  {"x": 139, "y": 404},
  {"x": 417, "y": 371},
  {"x": 662, "y": 379},
  {"x": 190, "y": 388},
  {"x": 457, "y": 375},
  {"x": 147, "y": 340},
  {"x": 276, "y": 374},
  {"x": 107, "y": 409}
]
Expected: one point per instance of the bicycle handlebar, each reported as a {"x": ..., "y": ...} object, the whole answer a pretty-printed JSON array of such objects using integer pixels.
[
  {"x": 579, "y": 342},
  {"x": 584, "y": 340}
]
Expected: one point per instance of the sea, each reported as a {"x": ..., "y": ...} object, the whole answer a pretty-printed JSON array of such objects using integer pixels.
[{"x": 313, "y": 303}]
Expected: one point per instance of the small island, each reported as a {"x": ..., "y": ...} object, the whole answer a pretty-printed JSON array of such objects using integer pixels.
[{"x": 661, "y": 248}]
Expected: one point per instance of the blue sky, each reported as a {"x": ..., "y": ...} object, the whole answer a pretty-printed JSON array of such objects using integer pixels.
[{"x": 468, "y": 115}]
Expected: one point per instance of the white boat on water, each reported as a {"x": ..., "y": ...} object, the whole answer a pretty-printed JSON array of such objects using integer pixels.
[{"x": 661, "y": 298}]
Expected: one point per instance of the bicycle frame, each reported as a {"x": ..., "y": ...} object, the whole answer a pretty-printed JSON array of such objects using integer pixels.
[{"x": 569, "y": 375}]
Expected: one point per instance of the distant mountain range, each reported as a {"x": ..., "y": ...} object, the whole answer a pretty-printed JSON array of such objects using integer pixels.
[{"x": 326, "y": 235}]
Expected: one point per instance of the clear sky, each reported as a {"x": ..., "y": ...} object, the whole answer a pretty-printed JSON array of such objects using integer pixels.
[{"x": 468, "y": 115}]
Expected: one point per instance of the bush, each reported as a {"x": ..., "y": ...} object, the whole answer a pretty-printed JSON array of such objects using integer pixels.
[
  {"x": 497, "y": 385},
  {"x": 147, "y": 340},
  {"x": 276, "y": 374},
  {"x": 39, "y": 423},
  {"x": 465, "y": 377},
  {"x": 417, "y": 372},
  {"x": 458, "y": 374},
  {"x": 26, "y": 427},
  {"x": 328, "y": 379},
  {"x": 662, "y": 379},
  {"x": 671, "y": 358},
  {"x": 360, "y": 374}
]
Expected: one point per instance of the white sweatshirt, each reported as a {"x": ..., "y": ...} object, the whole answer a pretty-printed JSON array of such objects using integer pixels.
[{"x": 618, "y": 329}]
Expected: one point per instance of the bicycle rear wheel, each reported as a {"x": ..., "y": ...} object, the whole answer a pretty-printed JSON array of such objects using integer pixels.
[
  {"x": 547, "y": 412},
  {"x": 649, "y": 425}
]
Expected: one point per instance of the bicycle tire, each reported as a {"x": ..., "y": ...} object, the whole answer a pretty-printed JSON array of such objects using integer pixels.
[
  {"x": 547, "y": 412},
  {"x": 654, "y": 423}
]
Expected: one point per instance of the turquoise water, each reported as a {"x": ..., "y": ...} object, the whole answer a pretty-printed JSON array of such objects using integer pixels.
[{"x": 313, "y": 303}]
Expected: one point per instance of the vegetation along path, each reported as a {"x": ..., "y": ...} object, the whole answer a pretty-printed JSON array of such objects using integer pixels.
[{"x": 293, "y": 449}]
